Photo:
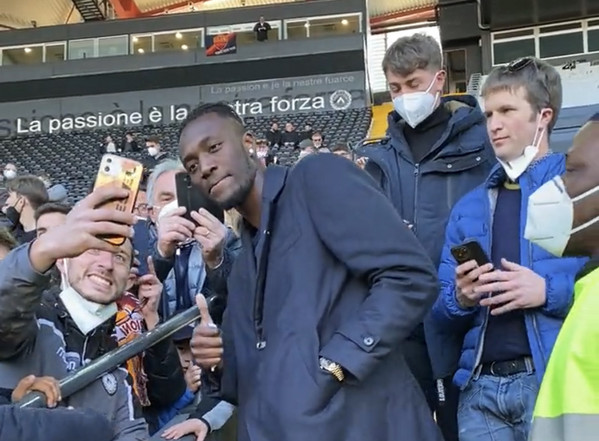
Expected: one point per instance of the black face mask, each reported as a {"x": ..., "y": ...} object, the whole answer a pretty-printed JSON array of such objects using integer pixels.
[{"x": 13, "y": 216}]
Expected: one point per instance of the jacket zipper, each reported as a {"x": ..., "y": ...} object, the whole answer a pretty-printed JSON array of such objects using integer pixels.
[
  {"x": 416, "y": 179},
  {"x": 533, "y": 316},
  {"x": 481, "y": 342}
]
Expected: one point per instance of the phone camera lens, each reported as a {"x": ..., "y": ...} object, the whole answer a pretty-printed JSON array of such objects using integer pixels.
[
  {"x": 109, "y": 160},
  {"x": 107, "y": 169}
]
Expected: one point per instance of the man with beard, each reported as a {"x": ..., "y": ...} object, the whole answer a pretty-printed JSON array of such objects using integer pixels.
[
  {"x": 563, "y": 218},
  {"x": 321, "y": 297},
  {"x": 52, "y": 335}
]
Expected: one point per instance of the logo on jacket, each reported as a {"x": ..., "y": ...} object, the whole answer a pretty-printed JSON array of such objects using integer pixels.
[
  {"x": 109, "y": 383},
  {"x": 340, "y": 100}
]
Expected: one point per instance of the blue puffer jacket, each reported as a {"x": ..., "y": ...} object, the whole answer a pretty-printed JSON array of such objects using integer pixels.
[
  {"x": 424, "y": 193},
  {"x": 471, "y": 219}
]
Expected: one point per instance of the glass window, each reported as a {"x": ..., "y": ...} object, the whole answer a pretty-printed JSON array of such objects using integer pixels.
[
  {"x": 297, "y": 30},
  {"x": 593, "y": 37},
  {"x": 507, "y": 51},
  {"x": 111, "y": 46},
  {"x": 177, "y": 41},
  {"x": 55, "y": 52},
  {"x": 23, "y": 55},
  {"x": 82, "y": 49},
  {"x": 560, "y": 45},
  {"x": 322, "y": 27},
  {"x": 140, "y": 44}
]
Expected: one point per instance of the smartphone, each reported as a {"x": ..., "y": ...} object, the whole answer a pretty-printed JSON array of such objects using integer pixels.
[
  {"x": 470, "y": 251},
  {"x": 192, "y": 198},
  {"x": 123, "y": 173}
]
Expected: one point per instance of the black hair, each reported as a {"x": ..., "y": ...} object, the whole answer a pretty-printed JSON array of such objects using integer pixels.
[
  {"x": 221, "y": 109},
  {"x": 7, "y": 240},
  {"x": 51, "y": 207}
]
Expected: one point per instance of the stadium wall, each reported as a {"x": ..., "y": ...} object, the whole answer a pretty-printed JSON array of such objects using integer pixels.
[{"x": 314, "y": 93}]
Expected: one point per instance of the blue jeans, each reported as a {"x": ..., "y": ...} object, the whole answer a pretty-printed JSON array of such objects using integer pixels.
[{"x": 497, "y": 408}]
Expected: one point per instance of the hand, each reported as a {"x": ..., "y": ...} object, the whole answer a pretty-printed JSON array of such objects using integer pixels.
[
  {"x": 193, "y": 377},
  {"x": 361, "y": 162},
  {"x": 206, "y": 342},
  {"x": 82, "y": 228},
  {"x": 520, "y": 288},
  {"x": 173, "y": 229},
  {"x": 47, "y": 385},
  {"x": 211, "y": 234},
  {"x": 191, "y": 426},
  {"x": 467, "y": 279},
  {"x": 149, "y": 292}
]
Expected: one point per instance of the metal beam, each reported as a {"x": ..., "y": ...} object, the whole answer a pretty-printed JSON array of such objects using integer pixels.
[
  {"x": 125, "y": 8},
  {"x": 414, "y": 15}
]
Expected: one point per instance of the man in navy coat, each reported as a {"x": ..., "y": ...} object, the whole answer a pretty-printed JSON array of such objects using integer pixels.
[{"x": 328, "y": 286}]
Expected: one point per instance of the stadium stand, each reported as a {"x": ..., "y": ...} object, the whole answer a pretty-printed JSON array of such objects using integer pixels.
[{"x": 71, "y": 158}]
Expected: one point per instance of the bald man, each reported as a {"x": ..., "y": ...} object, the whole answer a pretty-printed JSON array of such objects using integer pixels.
[{"x": 563, "y": 218}]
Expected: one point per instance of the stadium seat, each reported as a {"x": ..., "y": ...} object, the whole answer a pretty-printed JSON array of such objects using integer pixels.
[{"x": 72, "y": 158}]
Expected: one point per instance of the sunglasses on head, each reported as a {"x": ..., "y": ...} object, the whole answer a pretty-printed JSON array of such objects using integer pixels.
[{"x": 520, "y": 63}]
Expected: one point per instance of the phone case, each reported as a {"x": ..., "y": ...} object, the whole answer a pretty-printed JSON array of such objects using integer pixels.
[
  {"x": 192, "y": 198},
  {"x": 470, "y": 251},
  {"x": 124, "y": 173}
]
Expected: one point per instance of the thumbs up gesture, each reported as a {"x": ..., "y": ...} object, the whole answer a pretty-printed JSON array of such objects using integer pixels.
[{"x": 206, "y": 342}]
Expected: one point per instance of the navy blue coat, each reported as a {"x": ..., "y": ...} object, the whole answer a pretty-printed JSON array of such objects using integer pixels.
[
  {"x": 52, "y": 425},
  {"x": 344, "y": 279},
  {"x": 424, "y": 193}
]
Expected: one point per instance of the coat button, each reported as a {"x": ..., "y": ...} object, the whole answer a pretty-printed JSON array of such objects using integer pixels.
[
  {"x": 449, "y": 165},
  {"x": 368, "y": 341}
]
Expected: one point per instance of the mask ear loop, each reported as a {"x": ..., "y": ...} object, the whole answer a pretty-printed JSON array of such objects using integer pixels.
[{"x": 65, "y": 284}]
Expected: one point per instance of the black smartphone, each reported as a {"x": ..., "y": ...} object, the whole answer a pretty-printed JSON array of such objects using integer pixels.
[
  {"x": 470, "y": 251},
  {"x": 192, "y": 198}
]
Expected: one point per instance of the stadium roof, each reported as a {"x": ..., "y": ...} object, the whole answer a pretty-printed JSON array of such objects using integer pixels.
[{"x": 21, "y": 13}]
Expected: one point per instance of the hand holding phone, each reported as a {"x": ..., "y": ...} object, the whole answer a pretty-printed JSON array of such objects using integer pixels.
[
  {"x": 472, "y": 263},
  {"x": 120, "y": 173}
]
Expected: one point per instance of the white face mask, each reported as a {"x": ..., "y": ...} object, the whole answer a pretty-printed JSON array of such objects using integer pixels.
[
  {"x": 550, "y": 217},
  {"x": 152, "y": 151},
  {"x": 516, "y": 167},
  {"x": 10, "y": 174},
  {"x": 86, "y": 315},
  {"x": 415, "y": 107}
]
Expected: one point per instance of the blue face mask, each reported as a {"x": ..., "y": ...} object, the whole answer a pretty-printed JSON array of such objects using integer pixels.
[{"x": 415, "y": 107}]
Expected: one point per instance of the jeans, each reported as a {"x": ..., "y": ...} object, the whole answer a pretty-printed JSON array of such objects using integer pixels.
[{"x": 493, "y": 408}]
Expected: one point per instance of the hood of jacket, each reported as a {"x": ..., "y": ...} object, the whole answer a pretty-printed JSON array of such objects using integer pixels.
[{"x": 465, "y": 113}]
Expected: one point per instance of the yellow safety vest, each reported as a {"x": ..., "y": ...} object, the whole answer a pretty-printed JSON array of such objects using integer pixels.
[{"x": 567, "y": 407}]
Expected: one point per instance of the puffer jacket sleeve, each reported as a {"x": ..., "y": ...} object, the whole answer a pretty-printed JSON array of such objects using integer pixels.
[
  {"x": 560, "y": 278},
  {"x": 18, "y": 424},
  {"x": 446, "y": 310},
  {"x": 21, "y": 290}
]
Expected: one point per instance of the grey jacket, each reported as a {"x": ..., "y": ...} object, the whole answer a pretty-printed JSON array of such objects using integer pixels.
[{"x": 36, "y": 339}]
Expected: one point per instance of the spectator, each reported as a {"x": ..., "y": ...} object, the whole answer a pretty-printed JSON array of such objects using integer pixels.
[
  {"x": 26, "y": 194},
  {"x": 155, "y": 155},
  {"x": 317, "y": 140},
  {"x": 186, "y": 268},
  {"x": 48, "y": 329},
  {"x": 261, "y": 29},
  {"x": 129, "y": 143},
  {"x": 109, "y": 145},
  {"x": 50, "y": 215},
  {"x": 17, "y": 424},
  {"x": 511, "y": 308},
  {"x": 306, "y": 149},
  {"x": 56, "y": 192},
  {"x": 9, "y": 173},
  {"x": 308, "y": 132},
  {"x": 7, "y": 242},
  {"x": 566, "y": 408},
  {"x": 141, "y": 208},
  {"x": 342, "y": 149},
  {"x": 263, "y": 153},
  {"x": 436, "y": 151},
  {"x": 334, "y": 293},
  {"x": 274, "y": 135},
  {"x": 290, "y": 137}
]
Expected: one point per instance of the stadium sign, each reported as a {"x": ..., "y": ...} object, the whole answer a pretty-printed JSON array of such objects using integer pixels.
[{"x": 333, "y": 92}]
